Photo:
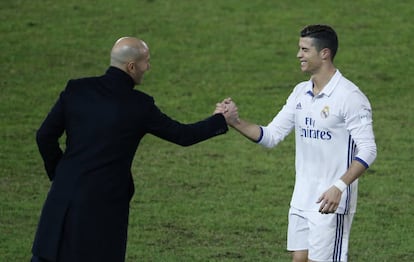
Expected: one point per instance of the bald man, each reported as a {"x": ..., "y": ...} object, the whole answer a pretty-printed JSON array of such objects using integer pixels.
[{"x": 85, "y": 215}]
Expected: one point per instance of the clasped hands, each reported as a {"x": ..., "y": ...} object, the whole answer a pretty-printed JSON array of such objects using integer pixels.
[{"x": 229, "y": 110}]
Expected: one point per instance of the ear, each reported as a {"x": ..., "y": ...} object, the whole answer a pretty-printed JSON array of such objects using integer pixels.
[
  {"x": 325, "y": 53},
  {"x": 130, "y": 66}
]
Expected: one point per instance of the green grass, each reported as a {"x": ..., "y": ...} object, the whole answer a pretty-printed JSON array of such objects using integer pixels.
[{"x": 225, "y": 199}]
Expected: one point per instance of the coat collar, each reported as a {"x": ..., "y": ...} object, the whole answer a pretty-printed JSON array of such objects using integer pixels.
[{"x": 120, "y": 76}]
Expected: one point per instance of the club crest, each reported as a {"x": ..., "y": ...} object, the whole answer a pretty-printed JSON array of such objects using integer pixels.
[{"x": 325, "y": 112}]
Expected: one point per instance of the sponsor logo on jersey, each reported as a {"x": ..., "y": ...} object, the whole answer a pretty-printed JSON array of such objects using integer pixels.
[
  {"x": 299, "y": 106},
  {"x": 309, "y": 130}
]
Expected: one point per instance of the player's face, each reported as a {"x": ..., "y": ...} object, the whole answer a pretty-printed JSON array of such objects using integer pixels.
[{"x": 310, "y": 59}]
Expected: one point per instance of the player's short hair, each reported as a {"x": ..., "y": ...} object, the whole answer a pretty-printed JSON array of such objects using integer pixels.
[{"x": 324, "y": 37}]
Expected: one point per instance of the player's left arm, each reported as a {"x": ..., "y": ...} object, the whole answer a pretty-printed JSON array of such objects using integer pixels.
[{"x": 358, "y": 119}]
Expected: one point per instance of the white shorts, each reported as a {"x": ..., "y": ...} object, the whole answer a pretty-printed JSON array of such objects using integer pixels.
[{"x": 325, "y": 236}]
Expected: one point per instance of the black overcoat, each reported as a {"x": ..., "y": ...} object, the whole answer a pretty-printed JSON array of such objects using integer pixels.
[{"x": 85, "y": 215}]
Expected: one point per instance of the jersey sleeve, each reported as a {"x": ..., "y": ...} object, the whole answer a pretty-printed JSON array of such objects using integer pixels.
[
  {"x": 358, "y": 120},
  {"x": 281, "y": 125}
]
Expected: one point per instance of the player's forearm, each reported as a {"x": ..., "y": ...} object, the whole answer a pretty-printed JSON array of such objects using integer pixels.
[
  {"x": 355, "y": 170},
  {"x": 249, "y": 130}
]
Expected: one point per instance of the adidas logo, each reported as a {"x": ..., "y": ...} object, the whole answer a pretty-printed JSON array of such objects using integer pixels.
[{"x": 299, "y": 106}]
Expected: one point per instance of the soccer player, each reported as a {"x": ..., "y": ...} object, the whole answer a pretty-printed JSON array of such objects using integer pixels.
[{"x": 335, "y": 144}]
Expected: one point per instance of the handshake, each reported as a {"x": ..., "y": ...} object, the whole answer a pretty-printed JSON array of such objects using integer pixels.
[{"x": 229, "y": 110}]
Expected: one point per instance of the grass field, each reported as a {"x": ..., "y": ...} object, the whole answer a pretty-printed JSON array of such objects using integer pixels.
[{"x": 225, "y": 199}]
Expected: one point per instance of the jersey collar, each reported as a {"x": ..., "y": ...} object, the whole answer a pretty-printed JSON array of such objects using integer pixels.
[{"x": 328, "y": 89}]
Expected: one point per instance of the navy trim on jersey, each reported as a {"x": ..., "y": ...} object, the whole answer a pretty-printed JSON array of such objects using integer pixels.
[
  {"x": 338, "y": 237},
  {"x": 261, "y": 135},
  {"x": 365, "y": 164},
  {"x": 351, "y": 152}
]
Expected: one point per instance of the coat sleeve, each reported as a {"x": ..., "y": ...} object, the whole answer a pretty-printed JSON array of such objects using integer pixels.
[
  {"x": 162, "y": 126},
  {"x": 47, "y": 137}
]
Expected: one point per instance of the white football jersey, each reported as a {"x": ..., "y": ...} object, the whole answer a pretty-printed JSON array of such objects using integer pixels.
[{"x": 331, "y": 129}]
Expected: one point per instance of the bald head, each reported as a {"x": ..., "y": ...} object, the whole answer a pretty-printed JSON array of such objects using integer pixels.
[{"x": 127, "y": 49}]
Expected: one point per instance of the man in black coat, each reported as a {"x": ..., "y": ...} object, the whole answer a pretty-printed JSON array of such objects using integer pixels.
[{"x": 85, "y": 215}]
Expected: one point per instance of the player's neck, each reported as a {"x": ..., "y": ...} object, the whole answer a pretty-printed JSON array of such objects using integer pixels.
[{"x": 321, "y": 78}]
